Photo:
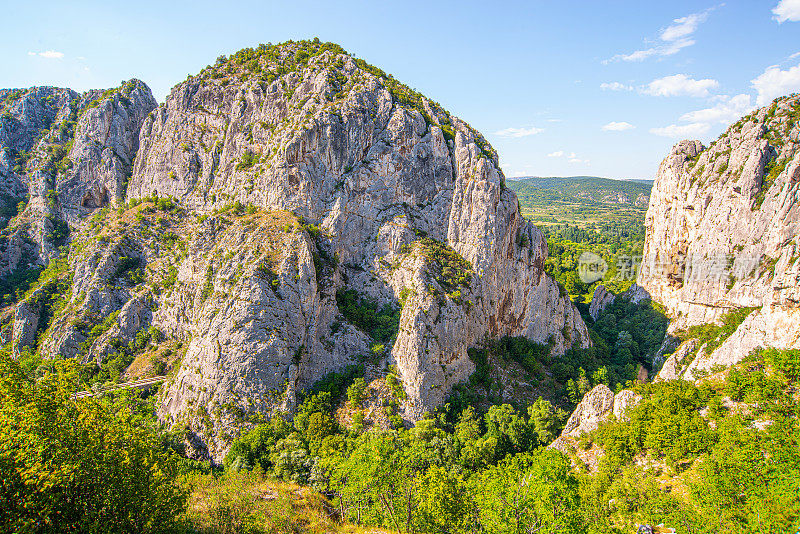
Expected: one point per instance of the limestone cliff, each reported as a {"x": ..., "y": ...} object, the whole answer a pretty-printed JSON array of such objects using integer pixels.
[
  {"x": 723, "y": 236},
  {"x": 295, "y": 173},
  {"x": 381, "y": 170},
  {"x": 66, "y": 154}
]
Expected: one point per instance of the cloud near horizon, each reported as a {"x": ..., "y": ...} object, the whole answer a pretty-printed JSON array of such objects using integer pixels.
[
  {"x": 726, "y": 111},
  {"x": 571, "y": 157}
]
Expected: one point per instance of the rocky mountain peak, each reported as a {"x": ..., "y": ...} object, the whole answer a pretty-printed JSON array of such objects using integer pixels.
[
  {"x": 66, "y": 154},
  {"x": 723, "y": 237},
  {"x": 290, "y": 211}
]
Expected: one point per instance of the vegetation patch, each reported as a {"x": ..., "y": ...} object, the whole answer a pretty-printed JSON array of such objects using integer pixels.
[
  {"x": 448, "y": 266},
  {"x": 772, "y": 170},
  {"x": 711, "y": 336},
  {"x": 381, "y": 323}
]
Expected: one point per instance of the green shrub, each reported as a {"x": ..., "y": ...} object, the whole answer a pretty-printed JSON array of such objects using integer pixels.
[
  {"x": 86, "y": 466},
  {"x": 382, "y": 324},
  {"x": 357, "y": 393}
]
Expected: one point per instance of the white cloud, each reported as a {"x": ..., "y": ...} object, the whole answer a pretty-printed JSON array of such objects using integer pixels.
[
  {"x": 682, "y": 131},
  {"x": 555, "y": 120},
  {"x": 666, "y": 49},
  {"x": 674, "y": 38},
  {"x": 787, "y": 10},
  {"x": 796, "y": 54},
  {"x": 571, "y": 157},
  {"x": 518, "y": 132},
  {"x": 679, "y": 85},
  {"x": 683, "y": 27},
  {"x": 728, "y": 110},
  {"x": 618, "y": 126},
  {"x": 775, "y": 82},
  {"x": 49, "y": 54},
  {"x": 616, "y": 86}
]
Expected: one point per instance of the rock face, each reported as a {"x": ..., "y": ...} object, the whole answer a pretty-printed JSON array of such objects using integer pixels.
[
  {"x": 723, "y": 233},
  {"x": 601, "y": 299},
  {"x": 66, "y": 154},
  {"x": 597, "y": 406},
  {"x": 296, "y": 174},
  {"x": 105, "y": 144},
  {"x": 594, "y": 407}
]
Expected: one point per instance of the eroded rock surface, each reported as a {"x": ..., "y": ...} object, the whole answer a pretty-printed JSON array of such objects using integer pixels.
[
  {"x": 63, "y": 154},
  {"x": 601, "y": 299},
  {"x": 723, "y": 234},
  {"x": 597, "y": 406}
]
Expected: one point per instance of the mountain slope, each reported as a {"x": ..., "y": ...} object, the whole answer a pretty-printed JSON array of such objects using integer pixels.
[
  {"x": 380, "y": 170},
  {"x": 67, "y": 153}
]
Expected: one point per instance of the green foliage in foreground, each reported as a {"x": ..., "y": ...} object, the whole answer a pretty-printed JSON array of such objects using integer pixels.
[
  {"x": 737, "y": 467},
  {"x": 685, "y": 456},
  {"x": 707, "y": 468},
  {"x": 80, "y": 466}
]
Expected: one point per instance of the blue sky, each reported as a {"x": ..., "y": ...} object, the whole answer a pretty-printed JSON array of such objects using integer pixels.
[{"x": 560, "y": 88}]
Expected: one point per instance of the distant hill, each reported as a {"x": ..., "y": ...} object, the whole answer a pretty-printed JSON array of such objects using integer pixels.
[{"x": 582, "y": 189}]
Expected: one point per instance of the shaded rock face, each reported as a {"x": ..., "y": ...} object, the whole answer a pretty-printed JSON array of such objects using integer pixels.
[
  {"x": 105, "y": 144},
  {"x": 723, "y": 232},
  {"x": 338, "y": 144},
  {"x": 26, "y": 322},
  {"x": 67, "y": 154},
  {"x": 601, "y": 299}
]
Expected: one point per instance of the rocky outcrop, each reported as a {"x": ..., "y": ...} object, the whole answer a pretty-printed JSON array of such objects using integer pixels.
[
  {"x": 66, "y": 154},
  {"x": 105, "y": 144},
  {"x": 26, "y": 323},
  {"x": 723, "y": 233},
  {"x": 601, "y": 299},
  {"x": 262, "y": 191},
  {"x": 597, "y": 406}
]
